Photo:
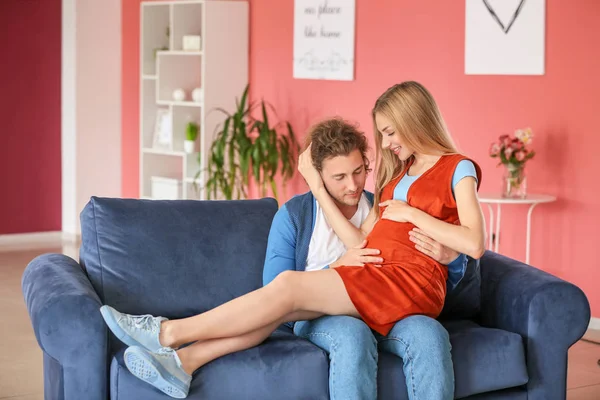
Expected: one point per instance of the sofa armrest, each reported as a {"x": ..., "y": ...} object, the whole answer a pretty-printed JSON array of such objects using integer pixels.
[
  {"x": 64, "y": 311},
  {"x": 549, "y": 313}
]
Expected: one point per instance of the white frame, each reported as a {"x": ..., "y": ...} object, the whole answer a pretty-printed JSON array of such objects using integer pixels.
[{"x": 163, "y": 130}]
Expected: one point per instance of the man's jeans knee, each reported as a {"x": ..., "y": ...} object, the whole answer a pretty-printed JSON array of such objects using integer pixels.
[
  {"x": 352, "y": 350},
  {"x": 424, "y": 346}
]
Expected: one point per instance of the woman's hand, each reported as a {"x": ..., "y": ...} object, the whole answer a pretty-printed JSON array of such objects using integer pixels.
[
  {"x": 308, "y": 171},
  {"x": 397, "y": 210},
  {"x": 430, "y": 247}
]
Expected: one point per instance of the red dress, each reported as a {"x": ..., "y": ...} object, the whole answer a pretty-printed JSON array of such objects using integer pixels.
[{"x": 408, "y": 282}]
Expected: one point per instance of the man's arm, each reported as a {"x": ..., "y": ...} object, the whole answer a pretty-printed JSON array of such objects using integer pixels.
[{"x": 281, "y": 246}]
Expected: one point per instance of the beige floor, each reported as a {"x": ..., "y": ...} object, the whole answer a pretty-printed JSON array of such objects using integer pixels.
[{"x": 21, "y": 360}]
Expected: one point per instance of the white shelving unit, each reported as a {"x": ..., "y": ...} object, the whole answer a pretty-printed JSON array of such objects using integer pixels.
[{"x": 220, "y": 68}]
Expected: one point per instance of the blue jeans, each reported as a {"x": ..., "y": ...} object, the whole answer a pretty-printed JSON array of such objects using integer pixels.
[{"x": 421, "y": 342}]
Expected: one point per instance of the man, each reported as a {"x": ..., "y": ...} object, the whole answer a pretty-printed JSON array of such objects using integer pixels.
[{"x": 301, "y": 239}]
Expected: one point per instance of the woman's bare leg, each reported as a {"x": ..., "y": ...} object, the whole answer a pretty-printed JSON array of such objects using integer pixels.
[
  {"x": 200, "y": 353},
  {"x": 318, "y": 291}
]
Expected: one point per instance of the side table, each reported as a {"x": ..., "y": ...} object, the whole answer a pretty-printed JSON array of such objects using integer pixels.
[{"x": 531, "y": 199}]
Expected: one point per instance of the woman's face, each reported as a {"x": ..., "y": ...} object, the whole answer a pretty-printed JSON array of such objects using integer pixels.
[{"x": 391, "y": 139}]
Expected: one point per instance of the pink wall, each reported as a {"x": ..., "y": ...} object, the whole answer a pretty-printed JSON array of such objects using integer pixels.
[
  {"x": 398, "y": 40},
  {"x": 30, "y": 153},
  {"x": 130, "y": 79}
]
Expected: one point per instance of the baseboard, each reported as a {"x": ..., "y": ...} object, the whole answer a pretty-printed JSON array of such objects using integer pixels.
[
  {"x": 35, "y": 240},
  {"x": 594, "y": 324}
]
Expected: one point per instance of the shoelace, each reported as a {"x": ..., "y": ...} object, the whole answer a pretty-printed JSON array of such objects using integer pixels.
[
  {"x": 142, "y": 322},
  {"x": 169, "y": 353}
]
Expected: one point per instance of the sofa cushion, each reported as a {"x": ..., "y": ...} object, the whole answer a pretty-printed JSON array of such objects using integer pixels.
[
  {"x": 485, "y": 359},
  {"x": 174, "y": 258},
  {"x": 283, "y": 367}
]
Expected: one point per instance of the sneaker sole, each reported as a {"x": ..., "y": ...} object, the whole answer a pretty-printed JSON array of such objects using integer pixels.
[
  {"x": 117, "y": 330},
  {"x": 151, "y": 372}
]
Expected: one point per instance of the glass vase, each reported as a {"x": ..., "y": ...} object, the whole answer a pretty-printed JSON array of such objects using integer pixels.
[{"x": 514, "y": 182}]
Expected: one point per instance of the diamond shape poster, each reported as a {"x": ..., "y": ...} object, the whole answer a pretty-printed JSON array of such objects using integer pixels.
[
  {"x": 324, "y": 39},
  {"x": 505, "y": 37}
]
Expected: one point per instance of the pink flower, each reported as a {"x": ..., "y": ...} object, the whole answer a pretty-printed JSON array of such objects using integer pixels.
[
  {"x": 505, "y": 140},
  {"x": 494, "y": 150},
  {"x": 520, "y": 155},
  {"x": 508, "y": 153}
]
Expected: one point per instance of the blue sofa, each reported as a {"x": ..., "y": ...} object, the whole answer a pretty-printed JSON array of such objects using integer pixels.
[{"x": 510, "y": 324}]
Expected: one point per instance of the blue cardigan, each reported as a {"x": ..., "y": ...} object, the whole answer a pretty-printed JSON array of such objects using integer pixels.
[{"x": 289, "y": 239}]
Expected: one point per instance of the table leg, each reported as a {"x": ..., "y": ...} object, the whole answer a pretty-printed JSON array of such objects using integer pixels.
[
  {"x": 491, "y": 228},
  {"x": 528, "y": 240},
  {"x": 497, "y": 238}
]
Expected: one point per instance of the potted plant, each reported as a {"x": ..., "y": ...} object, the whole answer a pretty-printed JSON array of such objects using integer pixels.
[
  {"x": 191, "y": 133},
  {"x": 247, "y": 145}
]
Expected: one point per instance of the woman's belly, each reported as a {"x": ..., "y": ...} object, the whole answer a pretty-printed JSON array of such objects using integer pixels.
[{"x": 393, "y": 240}]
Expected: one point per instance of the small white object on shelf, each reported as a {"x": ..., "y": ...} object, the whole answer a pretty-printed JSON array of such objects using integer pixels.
[
  {"x": 198, "y": 95},
  {"x": 189, "y": 146},
  {"x": 166, "y": 188},
  {"x": 179, "y": 95},
  {"x": 191, "y": 42},
  {"x": 532, "y": 200}
]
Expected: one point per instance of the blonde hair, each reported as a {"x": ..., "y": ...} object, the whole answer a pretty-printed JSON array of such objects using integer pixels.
[{"x": 415, "y": 116}]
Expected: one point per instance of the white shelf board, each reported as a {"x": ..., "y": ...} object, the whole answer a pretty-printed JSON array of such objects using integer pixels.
[
  {"x": 166, "y": 3},
  {"x": 178, "y": 53},
  {"x": 178, "y": 103},
  {"x": 191, "y": 179},
  {"x": 165, "y": 152}
]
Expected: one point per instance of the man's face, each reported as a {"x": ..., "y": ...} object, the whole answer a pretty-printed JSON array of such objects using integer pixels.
[{"x": 344, "y": 177}]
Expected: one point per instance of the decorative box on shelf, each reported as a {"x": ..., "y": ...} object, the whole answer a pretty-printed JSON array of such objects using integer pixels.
[
  {"x": 166, "y": 188},
  {"x": 191, "y": 43}
]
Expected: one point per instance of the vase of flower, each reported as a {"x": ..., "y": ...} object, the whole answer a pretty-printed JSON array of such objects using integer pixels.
[
  {"x": 513, "y": 153},
  {"x": 514, "y": 181}
]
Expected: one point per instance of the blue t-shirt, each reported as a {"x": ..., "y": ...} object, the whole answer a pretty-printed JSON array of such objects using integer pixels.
[{"x": 463, "y": 169}]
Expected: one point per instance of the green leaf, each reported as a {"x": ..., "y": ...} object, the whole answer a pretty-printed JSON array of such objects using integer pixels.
[
  {"x": 264, "y": 114},
  {"x": 274, "y": 189},
  {"x": 244, "y": 97}
]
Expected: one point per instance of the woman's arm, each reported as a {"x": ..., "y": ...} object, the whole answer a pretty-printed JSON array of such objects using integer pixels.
[
  {"x": 467, "y": 238},
  {"x": 350, "y": 235}
]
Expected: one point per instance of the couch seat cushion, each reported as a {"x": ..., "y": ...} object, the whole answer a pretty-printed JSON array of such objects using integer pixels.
[
  {"x": 485, "y": 359},
  {"x": 283, "y": 367}
]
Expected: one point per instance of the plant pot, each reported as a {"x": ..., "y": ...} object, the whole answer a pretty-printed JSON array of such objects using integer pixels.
[
  {"x": 514, "y": 182},
  {"x": 189, "y": 146}
]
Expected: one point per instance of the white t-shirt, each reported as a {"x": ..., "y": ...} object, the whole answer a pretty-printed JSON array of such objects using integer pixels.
[{"x": 325, "y": 246}]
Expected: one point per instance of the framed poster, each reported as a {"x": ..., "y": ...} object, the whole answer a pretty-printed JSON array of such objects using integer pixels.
[
  {"x": 324, "y": 39},
  {"x": 505, "y": 37}
]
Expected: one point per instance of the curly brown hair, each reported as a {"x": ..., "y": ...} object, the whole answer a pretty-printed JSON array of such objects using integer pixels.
[{"x": 335, "y": 137}]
